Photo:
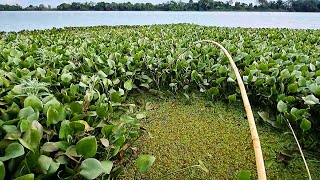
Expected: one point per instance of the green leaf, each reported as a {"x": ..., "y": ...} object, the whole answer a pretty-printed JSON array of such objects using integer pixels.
[
  {"x": 244, "y": 175},
  {"x": 223, "y": 70},
  {"x": 293, "y": 88},
  {"x": 282, "y": 107},
  {"x": 66, "y": 78},
  {"x": 305, "y": 124},
  {"x": 315, "y": 89},
  {"x": 128, "y": 84},
  {"x": 26, "y": 112},
  {"x": 297, "y": 113},
  {"x": 213, "y": 91},
  {"x": 302, "y": 82},
  {"x": 34, "y": 102},
  {"x": 115, "y": 97},
  {"x": 26, "y": 177},
  {"x": 75, "y": 107},
  {"x": 44, "y": 163},
  {"x": 107, "y": 130},
  {"x": 91, "y": 168},
  {"x": 2, "y": 171},
  {"x": 65, "y": 130},
  {"x": 127, "y": 119},
  {"x": 104, "y": 142},
  {"x": 107, "y": 166},
  {"x": 47, "y": 165},
  {"x": 52, "y": 116},
  {"x": 53, "y": 102},
  {"x": 232, "y": 98},
  {"x": 87, "y": 147},
  {"x": 310, "y": 100},
  {"x": 12, "y": 151},
  {"x": 144, "y": 162},
  {"x": 119, "y": 141},
  {"x": 49, "y": 147},
  {"x": 102, "y": 111}
]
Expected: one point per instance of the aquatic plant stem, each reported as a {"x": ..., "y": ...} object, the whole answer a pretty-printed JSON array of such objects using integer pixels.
[
  {"x": 304, "y": 160},
  {"x": 253, "y": 129}
]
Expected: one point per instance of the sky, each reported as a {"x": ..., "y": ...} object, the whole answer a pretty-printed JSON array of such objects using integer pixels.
[{"x": 57, "y": 2}]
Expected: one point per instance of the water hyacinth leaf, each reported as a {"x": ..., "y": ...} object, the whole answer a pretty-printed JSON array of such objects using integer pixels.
[
  {"x": 91, "y": 168},
  {"x": 223, "y": 71},
  {"x": 302, "y": 82},
  {"x": 266, "y": 118},
  {"x": 213, "y": 91},
  {"x": 305, "y": 124},
  {"x": 66, "y": 78},
  {"x": 315, "y": 89},
  {"x": 2, "y": 171},
  {"x": 87, "y": 147},
  {"x": 297, "y": 114},
  {"x": 119, "y": 141},
  {"x": 128, "y": 84},
  {"x": 107, "y": 130},
  {"x": 47, "y": 165},
  {"x": 26, "y": 145},
  {"x": 24, "y": 125},
  {"x": 107, "y": 166},
  {"x": 232, "y": 98},
  {"x": 26, "y": 177},
  {"x": 53, "y": 116},
  {"x": 310, "y": 100},
  {"x": 115, "y": 97},
  {"x": 244, "y": 175},
  {"x": 63, "y": 145},
  {"x": 49, "y": 147},
  {"x": 75, "y": 107},
  {"x": 65, "y": 130},
  {"x": 102, "y": 111},
  {"x": 13, "y": 109},
  {"x": 282, "y": 106},
  {"x": 293, "y": 88},
  {"x": 72, "y": 152},
  {"x": 34, "y": 102},
  {"x": 54, "y": 166},
  {"x": 26, "y": 112},
  {"x": 12, "y": 151},
  {"x": 144, "y": 162},
  {"x": 127, "y": 119},
  {"x": 44, "y": 163},
  {"x": 104, "y": 142},
  {"x": 53, "y": 102}
]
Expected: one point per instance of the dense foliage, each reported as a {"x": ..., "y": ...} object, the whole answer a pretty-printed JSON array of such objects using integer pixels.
[
  {"x": 201, "y": 5},
  {"x": 63, "y": 91}
]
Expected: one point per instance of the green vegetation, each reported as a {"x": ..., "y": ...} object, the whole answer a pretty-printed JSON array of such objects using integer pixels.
[
  {"x": 201, "y": 5},
  {"x": 215, "y": 132},
  {"x": 63, "y": 98}
]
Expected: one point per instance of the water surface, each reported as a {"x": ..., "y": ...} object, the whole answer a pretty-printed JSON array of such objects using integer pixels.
[{"x": 16, "y": 21}]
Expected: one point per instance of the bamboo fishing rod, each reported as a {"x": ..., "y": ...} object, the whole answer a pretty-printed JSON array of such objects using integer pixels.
[{"x": 253, "y": 129}]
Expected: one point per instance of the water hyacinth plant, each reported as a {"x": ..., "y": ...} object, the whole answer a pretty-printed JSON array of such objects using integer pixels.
[{"x": 63, "y": 91}]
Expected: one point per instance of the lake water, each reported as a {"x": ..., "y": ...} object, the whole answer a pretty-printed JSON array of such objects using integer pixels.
[{"x": 16, "y": 21}]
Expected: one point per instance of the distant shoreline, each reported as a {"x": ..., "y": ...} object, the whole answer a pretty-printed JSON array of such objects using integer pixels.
[{"x": 200, "y": 5}]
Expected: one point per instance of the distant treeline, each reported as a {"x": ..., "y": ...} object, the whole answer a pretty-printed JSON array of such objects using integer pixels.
[{"x": 201, "y": 5}]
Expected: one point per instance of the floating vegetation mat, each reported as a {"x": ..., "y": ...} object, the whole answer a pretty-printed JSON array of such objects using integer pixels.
[{"x": 217, "y": 133}]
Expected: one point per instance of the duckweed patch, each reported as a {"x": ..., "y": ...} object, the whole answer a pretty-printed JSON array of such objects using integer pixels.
[{"x": 180, "y": 134}]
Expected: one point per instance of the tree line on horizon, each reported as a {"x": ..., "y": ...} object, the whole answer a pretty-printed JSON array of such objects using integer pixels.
[{"x": 201, "y": 5}]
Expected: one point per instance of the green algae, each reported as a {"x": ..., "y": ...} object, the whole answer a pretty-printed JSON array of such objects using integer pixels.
[{"x": 180, "y": 134}]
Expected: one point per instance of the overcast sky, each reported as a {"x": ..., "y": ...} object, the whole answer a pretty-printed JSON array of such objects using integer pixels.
[{"x": 56, "y": 2}]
